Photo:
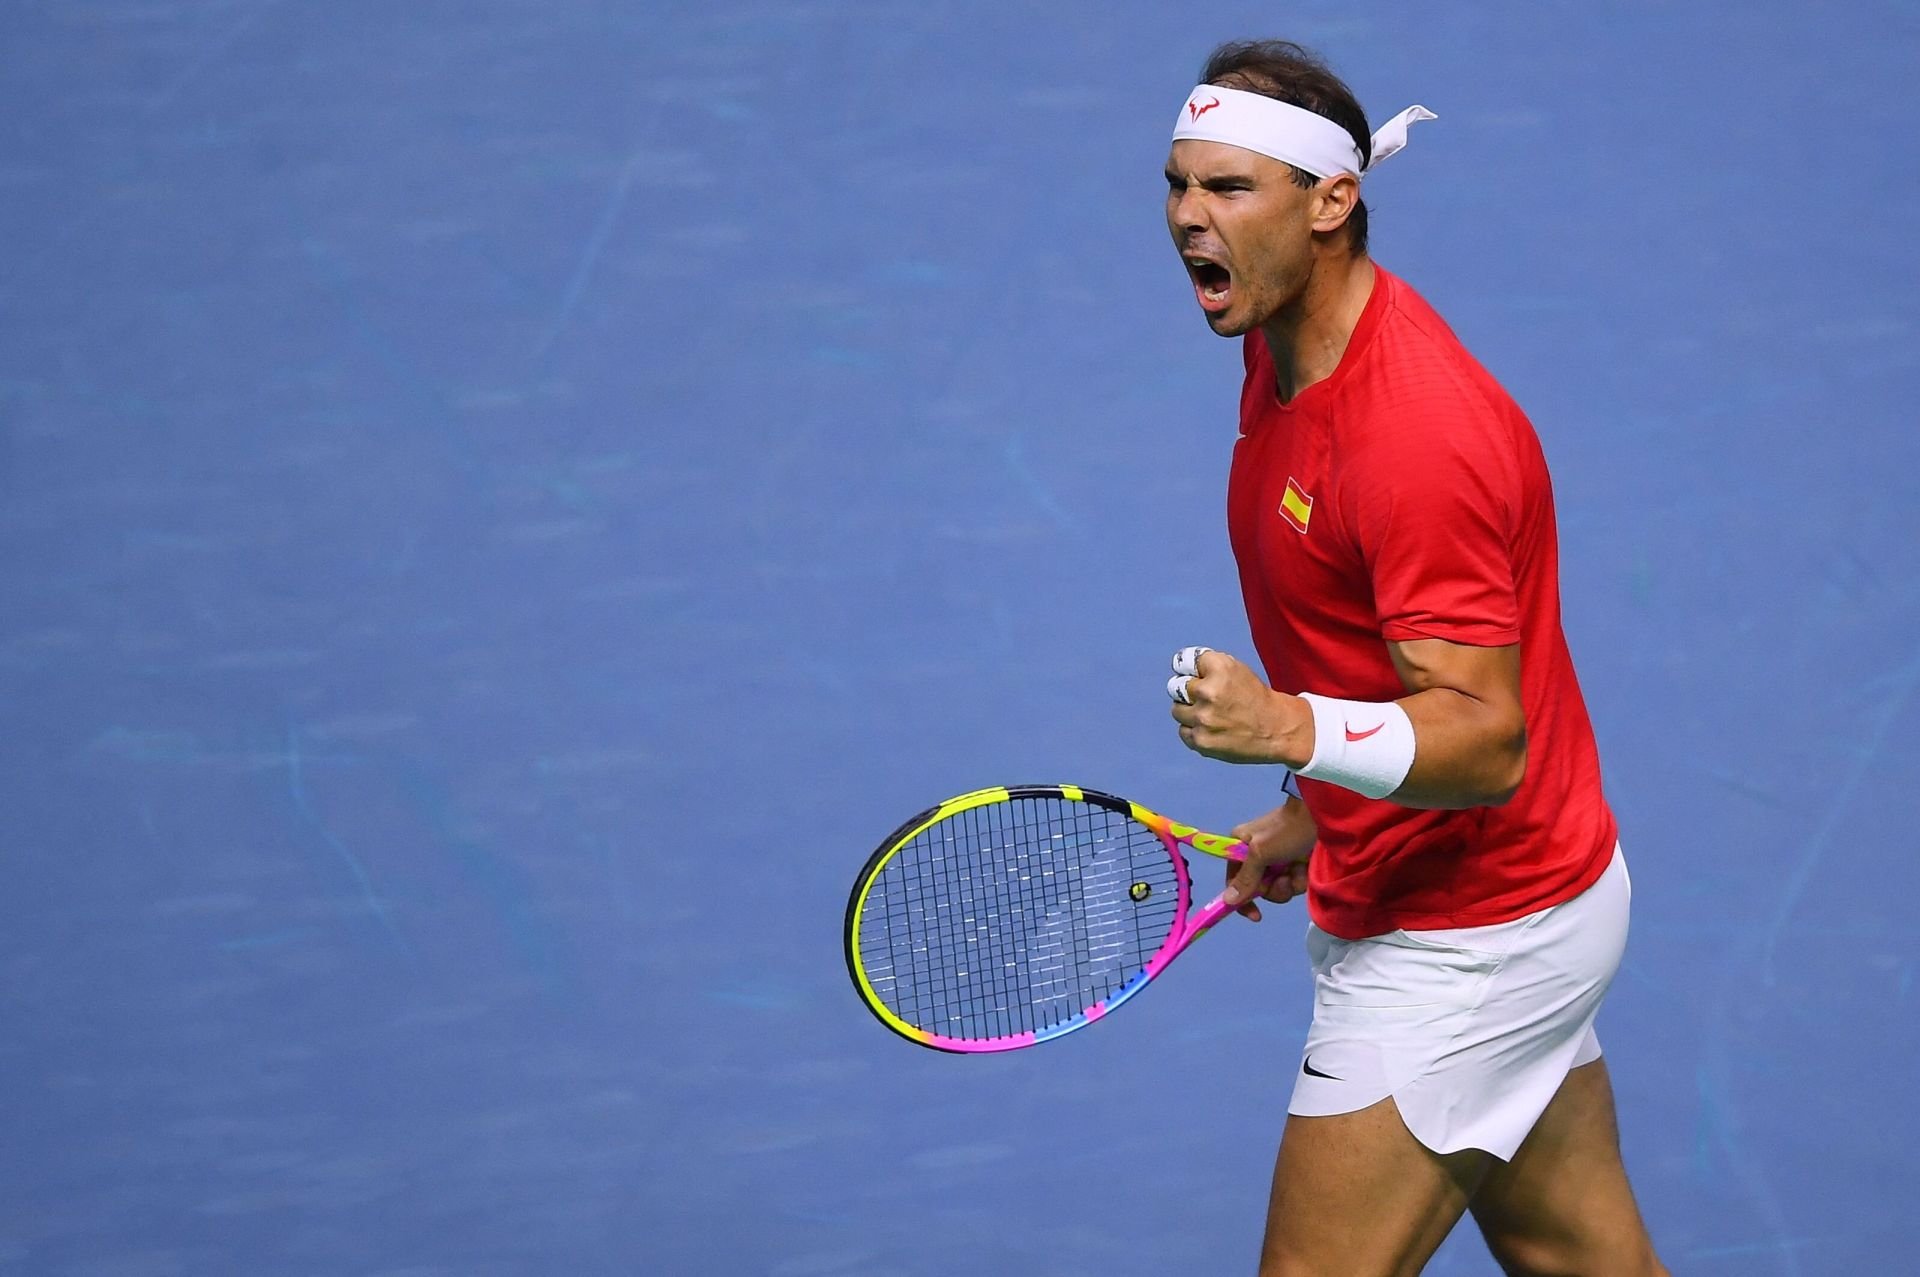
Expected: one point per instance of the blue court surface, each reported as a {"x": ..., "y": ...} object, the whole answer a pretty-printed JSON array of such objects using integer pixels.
[{"x": 505, "y": 504}]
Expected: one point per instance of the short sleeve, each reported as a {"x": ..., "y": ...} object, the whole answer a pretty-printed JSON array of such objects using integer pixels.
[{"x": 1434, "y": 511}]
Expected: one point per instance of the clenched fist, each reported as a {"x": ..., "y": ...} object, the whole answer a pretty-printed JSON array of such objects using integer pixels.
[{"x": 1226, "y": 711}]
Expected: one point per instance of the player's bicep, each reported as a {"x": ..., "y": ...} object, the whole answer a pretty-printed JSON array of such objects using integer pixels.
[
  {"x": 1488, "y": 677},
  {"x": 1487, "y": 674},
  {"x": 1469, "y": 723}
]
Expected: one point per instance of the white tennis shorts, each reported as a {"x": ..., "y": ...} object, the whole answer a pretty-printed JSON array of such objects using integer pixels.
[{"x": 1470, "y": 1030}]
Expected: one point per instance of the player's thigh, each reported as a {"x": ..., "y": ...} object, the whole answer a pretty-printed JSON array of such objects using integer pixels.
[
  {"x": 1356, "y": 1195},
  {"x": 1563, "y": 1205}
]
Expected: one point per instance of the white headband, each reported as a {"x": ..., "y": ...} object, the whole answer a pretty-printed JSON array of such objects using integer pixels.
[{"x": 1312, "y": 143}]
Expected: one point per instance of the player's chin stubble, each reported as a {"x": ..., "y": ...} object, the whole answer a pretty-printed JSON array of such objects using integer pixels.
[{"x": 1236, "y": 321}]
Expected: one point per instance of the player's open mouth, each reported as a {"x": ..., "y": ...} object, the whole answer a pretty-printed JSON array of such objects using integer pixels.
[{"x": 1212, "y": 283}]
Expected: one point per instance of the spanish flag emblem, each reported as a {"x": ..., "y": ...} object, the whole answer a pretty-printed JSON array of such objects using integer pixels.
[{"x": 1296, "y": 507}]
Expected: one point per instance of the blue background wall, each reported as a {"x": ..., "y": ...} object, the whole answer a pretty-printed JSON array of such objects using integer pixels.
[{"x": 504, "y": 504}]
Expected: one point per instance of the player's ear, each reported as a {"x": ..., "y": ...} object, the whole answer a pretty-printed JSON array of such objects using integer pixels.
[{"x": 1334, "y": 199}]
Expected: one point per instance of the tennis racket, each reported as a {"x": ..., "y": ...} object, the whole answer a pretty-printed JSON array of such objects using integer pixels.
[{"x": 1011, "y": 916}]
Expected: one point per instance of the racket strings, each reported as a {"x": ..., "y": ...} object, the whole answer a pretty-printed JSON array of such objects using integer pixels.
[{"x": 1016, "y": 916}]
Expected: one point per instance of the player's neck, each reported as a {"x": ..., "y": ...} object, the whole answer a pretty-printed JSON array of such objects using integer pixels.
[{"x": 1307, "y": 337}]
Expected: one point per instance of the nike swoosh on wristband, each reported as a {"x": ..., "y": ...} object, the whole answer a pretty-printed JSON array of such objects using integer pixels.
[
  {"x": 1353, "y": 735},
  {"x": 1306, "y": 1066}
]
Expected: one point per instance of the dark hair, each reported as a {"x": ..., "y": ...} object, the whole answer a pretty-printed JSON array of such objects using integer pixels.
[{"x": 1283, "y": 70}]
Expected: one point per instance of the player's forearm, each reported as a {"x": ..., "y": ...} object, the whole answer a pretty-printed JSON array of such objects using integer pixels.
[
  {"x": 1467, "y": 752},
  {"x": 1457, "y": 739}
]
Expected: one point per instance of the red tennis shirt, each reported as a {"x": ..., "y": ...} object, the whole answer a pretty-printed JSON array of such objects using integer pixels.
[{"x": 1406, "y": 497}]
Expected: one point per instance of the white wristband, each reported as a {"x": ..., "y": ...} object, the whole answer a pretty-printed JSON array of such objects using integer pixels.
[{"x": 1365, "y": 746}]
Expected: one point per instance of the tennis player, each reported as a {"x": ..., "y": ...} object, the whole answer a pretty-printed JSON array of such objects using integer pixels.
[{"x": 1392, "y": 517}]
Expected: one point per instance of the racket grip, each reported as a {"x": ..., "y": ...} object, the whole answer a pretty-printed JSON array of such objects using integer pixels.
[
  {"x": 1218, "y": 907},
  {"x": 1273, "y": 874}
]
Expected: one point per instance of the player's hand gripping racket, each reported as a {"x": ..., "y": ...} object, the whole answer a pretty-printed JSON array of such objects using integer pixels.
[{"x": 1010, "y": 916}]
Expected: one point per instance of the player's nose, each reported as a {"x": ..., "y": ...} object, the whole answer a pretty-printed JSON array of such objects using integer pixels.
[{"x": 1189, "y": 212}]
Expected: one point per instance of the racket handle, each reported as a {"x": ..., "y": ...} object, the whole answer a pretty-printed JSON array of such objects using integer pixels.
[{"x": 1218, "y": 908}]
